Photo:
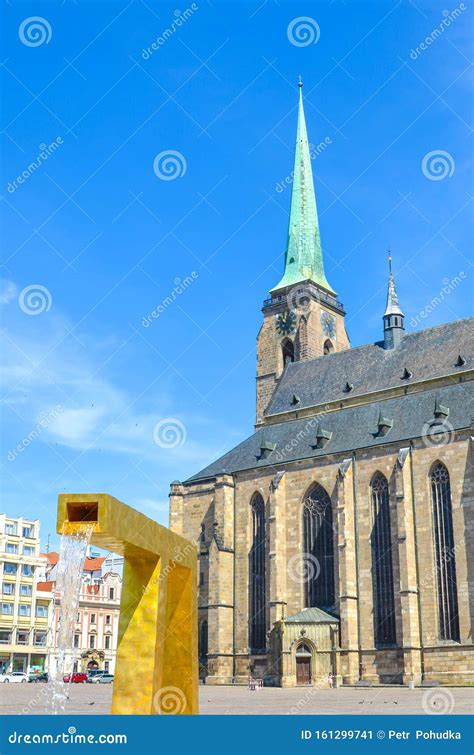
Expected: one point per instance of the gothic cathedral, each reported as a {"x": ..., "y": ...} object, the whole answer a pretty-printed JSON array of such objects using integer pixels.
[{"x": 335, "y": 543}]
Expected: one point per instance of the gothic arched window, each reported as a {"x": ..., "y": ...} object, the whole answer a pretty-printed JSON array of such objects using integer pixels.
[
  {"x": 288, "y": 351},
  {"x": 318, "y": 542},
  {"x": 328, "y": 347},
  {"x": 448, "y": 615},
  {"x": 382, "y": 564},
  {"x": 203, "y": 642},
  {"x": 258, "y": 627},
  {"x": 303, "y": 649}
]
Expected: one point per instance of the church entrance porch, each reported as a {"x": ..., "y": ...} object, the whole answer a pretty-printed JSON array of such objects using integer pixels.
[{"x": 304, "y": 649}]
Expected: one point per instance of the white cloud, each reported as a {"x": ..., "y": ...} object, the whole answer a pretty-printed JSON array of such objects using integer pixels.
[
  {"x": 8, "y": 291},
  {"x": 49, "y": 367}
]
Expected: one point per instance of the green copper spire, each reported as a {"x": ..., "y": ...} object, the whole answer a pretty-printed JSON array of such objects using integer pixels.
[{"x": 304, "y": 256}]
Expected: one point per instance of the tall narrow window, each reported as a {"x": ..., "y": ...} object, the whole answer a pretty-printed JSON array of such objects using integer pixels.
[
  {"x": 258, "y": 628},
  {"x": 288, "y": 350},
  {"x": 203, "y": 642},
  {"x": 445, "y": 554},
  {"x": 382, "y": 564},
  {"x": 318, "y": 549},
  {"x": 328, "y": 347}
]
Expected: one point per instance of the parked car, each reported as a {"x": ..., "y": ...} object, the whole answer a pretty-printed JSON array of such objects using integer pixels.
[
  {"x": 14, "y": 676},
  {"x": 76, "y": 678},
  {"x": 42, "y": 677},
  {"x": 94, "y": 674},
  {"x": 106, "y": 679}
]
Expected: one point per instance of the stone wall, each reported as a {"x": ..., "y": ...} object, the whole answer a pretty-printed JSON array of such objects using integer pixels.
[{"x": 225, "y": 590}]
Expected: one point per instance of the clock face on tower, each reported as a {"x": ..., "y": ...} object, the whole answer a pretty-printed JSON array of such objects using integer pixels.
[
  {"x": 329, "y": 324},
  {"x": 286, "y": 323}
]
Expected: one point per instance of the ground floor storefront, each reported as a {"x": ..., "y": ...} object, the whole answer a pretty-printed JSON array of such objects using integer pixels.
[{"x": 28, "y": 663}]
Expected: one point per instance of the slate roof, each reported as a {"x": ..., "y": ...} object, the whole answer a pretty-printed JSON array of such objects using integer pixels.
[
  {"x": 313, "y": 616},
  {"x": 426, "y": 354},
  {"x": 352, "y": 428}
]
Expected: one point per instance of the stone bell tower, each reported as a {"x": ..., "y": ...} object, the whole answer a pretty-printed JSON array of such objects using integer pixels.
[{"x": 303, "y": 318}]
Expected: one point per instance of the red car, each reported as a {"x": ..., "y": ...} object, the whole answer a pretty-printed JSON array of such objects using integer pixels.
[{"x": 75, "y": 678}]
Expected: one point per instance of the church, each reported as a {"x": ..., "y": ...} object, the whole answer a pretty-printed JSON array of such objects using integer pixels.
[{"x": 335, "y": 544}]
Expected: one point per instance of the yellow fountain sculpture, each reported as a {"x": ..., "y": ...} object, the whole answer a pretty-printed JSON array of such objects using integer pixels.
[{"x": 156, "y": 669}]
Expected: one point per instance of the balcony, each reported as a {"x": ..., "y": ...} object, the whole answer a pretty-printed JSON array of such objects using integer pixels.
[{"x": 318, "y": 295}]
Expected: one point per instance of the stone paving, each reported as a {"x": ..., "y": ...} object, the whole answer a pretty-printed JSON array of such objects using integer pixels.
[{"x": 96, "y": 699}]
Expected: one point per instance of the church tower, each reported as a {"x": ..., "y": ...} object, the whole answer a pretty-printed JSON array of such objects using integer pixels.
[{"x": 303, "y": 318}]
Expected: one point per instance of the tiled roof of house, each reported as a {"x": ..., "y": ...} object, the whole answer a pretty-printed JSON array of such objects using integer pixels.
[
  {"x": 52, "y": 557},
  {"x": 90, "y": 564},
  {"x": 45, "y": 586}
]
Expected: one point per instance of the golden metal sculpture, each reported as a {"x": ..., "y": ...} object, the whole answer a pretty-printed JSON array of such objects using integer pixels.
[{"x": 157, "y": 655}]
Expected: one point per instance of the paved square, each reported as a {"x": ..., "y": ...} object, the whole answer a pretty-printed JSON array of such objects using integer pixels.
[{"x": 96, "y": 699}]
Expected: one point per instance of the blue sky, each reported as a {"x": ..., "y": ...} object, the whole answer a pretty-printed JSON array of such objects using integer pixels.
[{"x": 108, "y": 238}]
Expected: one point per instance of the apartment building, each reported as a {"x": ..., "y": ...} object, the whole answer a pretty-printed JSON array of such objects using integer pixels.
[{"x": 25, "y": 611}]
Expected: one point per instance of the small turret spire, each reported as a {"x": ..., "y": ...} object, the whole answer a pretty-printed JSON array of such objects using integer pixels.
[
  {"x": 393, "y": 318},
  {"x": 304, "y": 256},
  {"x": 393, "y": 307}
]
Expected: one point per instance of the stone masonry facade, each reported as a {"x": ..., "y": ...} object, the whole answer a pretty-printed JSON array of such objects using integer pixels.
[{"x": 223, "y": 506}]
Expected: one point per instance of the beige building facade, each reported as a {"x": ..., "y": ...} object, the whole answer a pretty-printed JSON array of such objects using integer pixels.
[
  {"x": 25, "y": 612},
  {"x": 95, "y": 637}
]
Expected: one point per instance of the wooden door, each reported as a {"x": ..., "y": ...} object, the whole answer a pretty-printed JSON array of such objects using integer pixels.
[{"x": 303, "y": 670}]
